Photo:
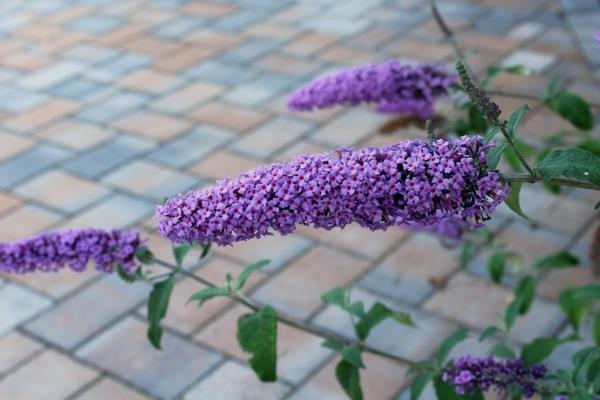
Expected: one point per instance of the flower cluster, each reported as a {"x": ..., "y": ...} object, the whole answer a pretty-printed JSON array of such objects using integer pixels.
[
  {"x": 51, "y": 251},
  {"x": 393, "y": 86},
  {"x": 413, "y": 184},
  {"x": 469, "y": 374}
]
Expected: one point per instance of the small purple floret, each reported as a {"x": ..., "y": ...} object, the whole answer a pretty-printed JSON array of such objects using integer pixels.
[
  {"x": 394, "y": 86},
  {"x": 414, "y": 184},
  {"x": 51, "y": 251},
  {"x": 470, "y": 374}
]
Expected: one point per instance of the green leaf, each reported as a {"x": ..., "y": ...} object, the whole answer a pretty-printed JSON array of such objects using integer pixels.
[
  {"x": 350, "y": 353},
  {"x": 571, "y": 163},
  {"x": 494, "y": 154},
  {"x": 449, "y": 343},
  {"x": 419, "y": 384},
  {"x": 341, "y": 298},
  {"x": 491, "y": 133},
  {"x": 596, "y": 329},
  {"x": 597, "y": 205},
  {"x": 376, "y": 314},
  {"x": 550, "y": 90},
  {"x": 137, "y": 275},
  {"x": 590, "y": 144},
  {"x": 144, "y": 255},
  {"x": 205, "y": 249},
  {"x": 493, "y": 71},
  {"x": 512, "y": 312},
  {"x": 476, "y": 121},
  {"x": 558, "y": 260},
  {"x": 513, "y": 201},
  {"x": 496, "y": 264},
  {"x": 207, "y": 294},
  {"x": 348, "y": 377},
  {"x": 180, "y": 251},
  {"x": 489, "y": 331},
  {"x": 590, "y": 291},
  {"x": 538, "y": 350},
  {"x": 515, "y": 119},
  {"x": 446, "y": 391},
  {"x": 502, "y": 350},
  {"x": 257, "y": 334},
  {"x": 525, "y": 291},
  {"x": 467, "y": 252},
  {"x": 575, "y": 309},
  {"x": 573, "y": 108},
  {"x": 158, "y": 303},
  {"x": 245, "y": 274}
]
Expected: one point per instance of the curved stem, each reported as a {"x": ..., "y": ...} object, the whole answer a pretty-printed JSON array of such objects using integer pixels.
[
  {"x": 296, "y": 323},
  {"x": 559, "y": 181},
  {"x": 461, "y": 56}
]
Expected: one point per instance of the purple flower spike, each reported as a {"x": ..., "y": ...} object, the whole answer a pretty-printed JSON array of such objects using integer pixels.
[
  {"x": 469, "y": 374},
  {"x": 393, "y": 86},
  {"x": 414, "y": 184},
  {"x": 51, "y": 251}
]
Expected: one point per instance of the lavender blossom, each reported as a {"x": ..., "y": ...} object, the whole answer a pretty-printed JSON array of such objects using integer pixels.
[
  {"x": 51, "y": 251},
  {"x": 469, "y": 374},
  {"x": 412, "y": 184},
  {"x": 393, "y": 86}
]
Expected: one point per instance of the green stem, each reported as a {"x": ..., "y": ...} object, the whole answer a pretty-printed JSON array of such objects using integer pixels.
[
  {"x": 559, "y": 181},
  {"x": 296, "y": 323}
]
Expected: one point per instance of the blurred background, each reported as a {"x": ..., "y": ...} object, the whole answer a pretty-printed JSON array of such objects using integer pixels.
[{"x": 107, "y": 107}]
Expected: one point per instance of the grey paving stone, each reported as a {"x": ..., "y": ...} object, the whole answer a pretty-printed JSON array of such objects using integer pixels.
[
  {"x": 80, "y": 316},
  {"x": 79, "y": 89},
  {"x": 17, "y": 305},
  {"x": 30, "y": 163},
  {"x": 250, "y": 50},
  {"x": 90, "y": 53},
  {"x": 17, "y": 99},
  {"x": 125, "y": 351},
  {"x": 107, "y": 155},
  {"x": 51, "y": 75},
  {"x": 113, "y": 106},
  {"x": 191, "y": 146},
  {"x": 121, "y": 64},
  {"x": 179, "y": 27},
  {"x": 224, "y": 73},
  {"x": 94, "y": 24},
  {"x": 241, "y": 19}
]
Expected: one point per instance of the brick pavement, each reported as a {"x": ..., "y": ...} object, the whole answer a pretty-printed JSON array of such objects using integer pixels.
[{"x": 107, "y": 107}]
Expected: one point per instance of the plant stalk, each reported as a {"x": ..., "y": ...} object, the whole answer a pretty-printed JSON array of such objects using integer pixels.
[
  {"x": 296, "y": 323},
  {"x": 559, "y": 181}
]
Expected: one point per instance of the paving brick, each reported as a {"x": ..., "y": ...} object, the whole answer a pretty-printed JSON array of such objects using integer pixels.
[
  {"x": 300, "y": 353},
  {"x": 212, "y": 38},
  {"x": 223, "y": 164},
  {"x": 270, "y": 30},
  {"x": 81, "y": 89},
  {"x": 13, "y": 145},
  {"x": 183, "y": 58},
  {"x": 157, "y": 372},
  {"x": 288, "y": 64},
  {"x": 380, "y": 380},
  {"x": 7, "y": 202},
  {"x": 150, "y": 180},
  {"x": 348, "y": 128},
  {"x": 533, "y": 60},
  {"x": 407, "y": 273},
  {"x": 46, "y": 370},
  {"x": 25, "y": 221},
  {"x": 310, "y": 43},
  {"x": 247, "y": 385},
  {"x": 146, "y": 44},
  {"x": 16, "y": 348},
  {"x": 486, "y": 42},
  {"x": 52, "y": 75},
  {"x": 178, "y": 27},
  {"x": 74, "y": 194},
  {"x": 482, "y": 304},
  {"x": 209, "y": 9},
  {"x": 56, "y": 285},
  {"x": 110, "y": 108},
  {"x": 221, "y": 72},
  {"x": 148, "y": 81},
  {"x": 419, "y": 50},
  {"x": 229, "y": 116},
  {"x": 40, "y": 115},
  {"x": 67, "y": 326},
  {"x": 75, "y": 134},
  {"x": 94, "y": 24},
  {"x": 123, "y": 64},
  {"x": 91, "y": 53},
  {"x": 186, "y": 98},
  {"x": 115, "y": 212},
  {"x": 27, "y": 61},
  {"x": 191, "y": 146},
  {"x": 315, "y": 277},
  {"x": 152, "y": 125},
  {"x": 271, "y": 137},
  {"x": 17, "y": 99},
  {"x": 18, "y": 305},
  {"x": 416, "y": 343},
  {"x": 107, "y": 155},
  {"x": 345, "y": 55},
  {"x": 108, "y": 388},
  {"x": 556, "y": 281}
]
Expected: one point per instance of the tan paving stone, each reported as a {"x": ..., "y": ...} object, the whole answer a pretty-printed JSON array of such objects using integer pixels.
[
  {"x": 223, "y": 164},
  {"x": 43, "y": 114},
  {"x": 46, "y": 370},
  {"x": 229, "y": 116},
  {"x": 154, "y": 125},
  {"x": 25, "y": 221},
  {"x": 110, "y": 389},
  {"x": 16, "y": 348},
  {"x": 149, "y": 81},
  {"x": 183, "y": 58},
  {"x": 74, "y": 134},
  {"x": 187, "y": 97},
  {"x": 13, "y": 145},
  {"x": 8, "y": 201}
]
